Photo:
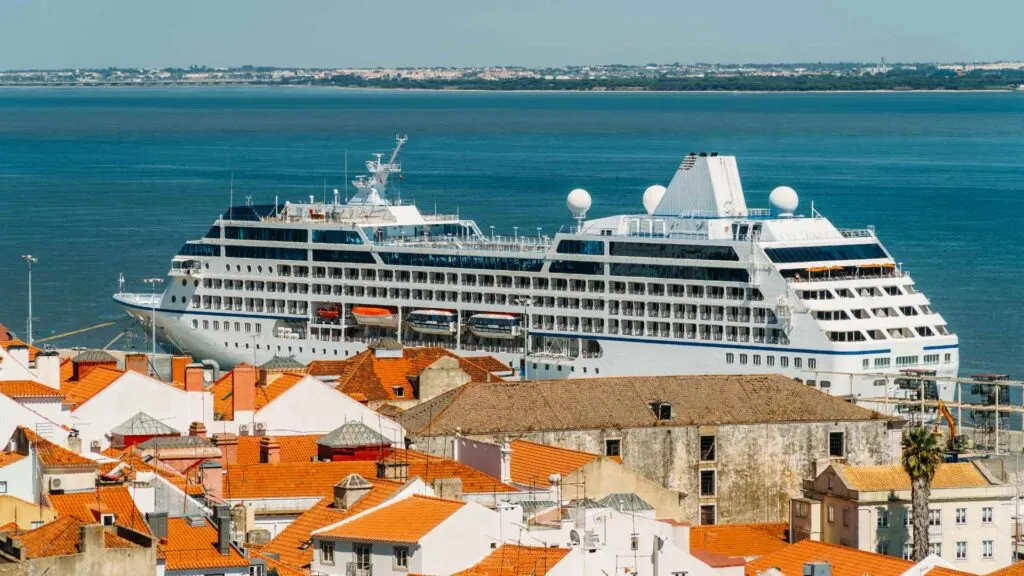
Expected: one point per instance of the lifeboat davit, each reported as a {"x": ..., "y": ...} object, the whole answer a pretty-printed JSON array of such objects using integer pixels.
[
  {"x": 330, "y": 313},
  {"x": 375, "y": 316},
  {"x": 501, "y": 326},
  {"x": 432, "y": 321}
]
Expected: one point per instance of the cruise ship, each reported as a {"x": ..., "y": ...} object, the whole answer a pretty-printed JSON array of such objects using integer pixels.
[{"x": 695, "y": 283}]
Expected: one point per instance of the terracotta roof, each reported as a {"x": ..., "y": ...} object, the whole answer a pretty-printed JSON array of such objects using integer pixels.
[
  {"x": 845, "y": 561},
  {"x": 61, "y": 537},
  {"x": 894, "y": 477},
  {"x": 389, "y": 410},
  {"x": 624, "y": 402},
  {"x": 222, "y": 390},
  {"x": 130, "y": 463},
  {"x": 298, "y": 448},
  {"x": 97, "y": 356},
  {"x": 142, "y": 424},
  {"x": 27, "y": 389},
  {"x": 291, "y": 544},
  {"x": 736, "y": 540},
  {"x": 377, "y": 378},
  {"x": 78, "y": 392},
  {"x": 512, "y": 560},
  {"x": 51, "y": 455},
  {"x": 195, "y": 548},
  {"x": 717, "y": 560},
  {"x": 406, "y": 521},
  {"x": 88, "y": 506},
  {"x": 272, "y": 564},
  {"x": 283, "y": 364},
  {"x": 32, "y": 350},
  {"x": 1016, "y": 569},
  {"x": 533, "y": 463},
  {"x": 307, "y": 479},
  {"x": 7, "y": 458}
]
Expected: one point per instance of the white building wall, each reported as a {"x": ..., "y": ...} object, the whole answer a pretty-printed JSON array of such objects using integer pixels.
[
  {"x": 132, "y": 393},
  {"x": 14, "y": 414},
  {"x": 22, "y": 478},
  {"x": 12, "y": 368},
  {"x": 461, "y": 541}
]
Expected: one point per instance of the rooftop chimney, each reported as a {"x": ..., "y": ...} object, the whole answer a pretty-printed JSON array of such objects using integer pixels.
[
  {"x": 448, "y": 488},
  {"x": 194, "y": 381},
  {"x": 393, "y": 470},
  {"x": 243, "y": 397},
  {"x": 19, "y": 352},
  {"x": 90, "y": 538},
  {"x": 197, "y": 429},
  {"x": 136, "y": 362},
  {"x": 223, "y": 520},
  {"x": 228, "y": 445},
  {"x": 270, "y": 450},
  {"x": 506, "y": 462},
  {"x": 158, "y": 523},
  {"x": 179, "y": 364},
  {"x": 350, "y": 490},
  {"x": 48, "y": 368}
]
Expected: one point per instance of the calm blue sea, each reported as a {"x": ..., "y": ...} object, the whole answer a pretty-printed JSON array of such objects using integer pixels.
[{"x": 96, "y": 182}]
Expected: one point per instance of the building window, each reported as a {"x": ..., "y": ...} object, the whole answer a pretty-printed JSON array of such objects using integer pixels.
[
  {"x": 730, "y": 357},
  {"x": 935, "y": 517},
  {"x": 707, "y": 482},
  {"x": 327, "y": 553},
  {"x": 846, "y": 517},
  {"x": 812, "y": 363},
  {"x": 908, "y": 551},
  {"x": 907, "y": 516},
  {"x": 882, "y": 547},
  {"x": 883, "y": 518},
  {"x": 986, "y": 515},
  {"x": 986, "y": 549},
  {"x": 707, "y": 514},
  {"x": 961, "y": 516},
  {"x": 743, "y": 358},
  {"x": 662, "y": 410},
  {"x": 634, "y": 542},
  {"x": 798, "y": 363},
  {"x": 835, "y": 445},
  {"x": 961, "y": 550},
  {"x": 257, "y": 570},
  {"x": 401, "y": 558},
  {"x": 831, "y": 514},
  {"x": 707, "y": 448},
  {"x": 935, "y": 548},
  {"x": 363, "y": 556},
  {"x": 784, "y": 361},
  {"x": 399, "y": 391},
  {"x": 613, "y": 447}
]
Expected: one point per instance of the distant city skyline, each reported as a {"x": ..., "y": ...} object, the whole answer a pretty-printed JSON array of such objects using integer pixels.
[{"x": 55, "y": 34}]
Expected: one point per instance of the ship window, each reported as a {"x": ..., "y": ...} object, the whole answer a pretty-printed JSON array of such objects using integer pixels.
[
  {"x": 174, "y": 299},
  {"x": 336, "y": 237},
  {"x": 757, "y": 359},
  {"x": 825, "y": 253},
  {"x": 798, "y": 363},
  {"x": 266, "y": 234},
  {"x": 462, "y": 261},
  {"x": 743, "y": 358},
  {"x": 812, "y": 363},
  {"x": 681, "y": 272},
  {"x": 264, "y": 253},
  {"x": 769, "y": 360},
  {"x": 570, "y": 267},
  {"x": 591, "y": 247},
  {"x": 349, "y": 256},
  {"x": 248, "y": 268},
  {"x": 729, "y": 357},
  {"x": 195, "y": 324},
  {"x": 195, "y": 249},
  {"x": 784, "y": 361},
  {"x": 675, "y": 251}
]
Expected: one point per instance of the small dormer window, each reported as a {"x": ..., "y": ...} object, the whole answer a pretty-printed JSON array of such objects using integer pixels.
[
  {"x": 662, "y": 410},
  {"x": 399, "y": 391},
  {"x": 107, "y": 519}
]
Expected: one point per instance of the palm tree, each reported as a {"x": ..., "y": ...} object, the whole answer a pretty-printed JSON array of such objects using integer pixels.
[{"x": 921, "y": 457}]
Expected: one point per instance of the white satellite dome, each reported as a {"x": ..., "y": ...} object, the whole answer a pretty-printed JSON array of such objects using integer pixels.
[
  {"x": 578, "y": 202},
  {"x": 653, "y": 196},
  {"x": 784, "y": 200}
]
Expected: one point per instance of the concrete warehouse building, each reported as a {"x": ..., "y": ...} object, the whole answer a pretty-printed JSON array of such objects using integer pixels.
[{"x": 735, "y": 448}]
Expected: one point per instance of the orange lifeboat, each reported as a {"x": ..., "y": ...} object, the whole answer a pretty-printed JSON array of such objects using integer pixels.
[
  {"x": 332, "y": 313},
  {"x": 375, "y": 316}
]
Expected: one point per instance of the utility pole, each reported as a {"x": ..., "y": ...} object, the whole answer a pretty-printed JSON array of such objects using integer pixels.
[
  {"x": 152, "y": 320},
  {"x": 30, "y": 260}
]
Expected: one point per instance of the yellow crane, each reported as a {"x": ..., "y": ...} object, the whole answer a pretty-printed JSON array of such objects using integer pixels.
[{"x": 955, "y": 442}]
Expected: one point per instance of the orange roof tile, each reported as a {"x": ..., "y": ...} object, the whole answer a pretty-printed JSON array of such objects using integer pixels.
[
  {"x": 7, "y": 458},
  {"x": 377, "y": 379},
  {"x": 298, "y": 448},
  {"x": 195, "y": 548},
  {"x": 272, "y": 564},
  {"x": 9, "y": 527},
  {"x": 291, "y": 544},
  {"x": 894, "y": 477},
  {"x": 32, "y": 350},
  {"x": 717, "y": 560},
  {"x": 1016, "y": 569},
  {"x": 532, "y": 463},
  {"x": 61, "y": 537},
  {"x": 845, "y": 561},
  {"x": 405, "y": 521},
  {"x": 78, "y": 392},
  {"x": 52, "y": 455},
  {"x": 28, "y": 389},
  {"x": 88, "y": 506},
  {"x": 305, "y": 479},
  {"x": 223, "y": 389},
  {"x": 512, "y": 560},
  {"x": 737, "y": 540},
  {"x": 67, "y": 370},
  {"x": 130, "y": 463}
]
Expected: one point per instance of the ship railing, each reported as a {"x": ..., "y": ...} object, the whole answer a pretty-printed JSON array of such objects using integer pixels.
[
  {"x": 889, "y": 273},
  {"x": 490, "y": 244},
  {"x": 857, "y": 232}
]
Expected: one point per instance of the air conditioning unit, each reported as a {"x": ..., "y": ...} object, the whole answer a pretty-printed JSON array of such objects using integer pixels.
[
  {"x": 55, "y": 485},
  {"x": 243, "y": 430},
  {"x": 261, "y": 428}
]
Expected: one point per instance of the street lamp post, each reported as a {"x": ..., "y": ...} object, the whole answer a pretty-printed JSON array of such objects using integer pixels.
[
  {"x": 525, "y": 302},
  {"x": 30, "y": 260},
  {"x": 152, "y": 319}
]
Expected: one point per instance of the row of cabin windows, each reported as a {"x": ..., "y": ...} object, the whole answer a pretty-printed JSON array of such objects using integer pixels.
[
  {"x": 886, "y": 362},
  {"x": 769, "y": 360}
]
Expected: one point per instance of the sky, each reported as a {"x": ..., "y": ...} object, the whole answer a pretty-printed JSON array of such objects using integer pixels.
[{"x": 355, "y": 33}]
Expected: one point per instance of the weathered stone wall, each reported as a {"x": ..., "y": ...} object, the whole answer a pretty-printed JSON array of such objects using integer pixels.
[
  {"x": 759, "y": 466},
  {"x": 110, "y": 562}
]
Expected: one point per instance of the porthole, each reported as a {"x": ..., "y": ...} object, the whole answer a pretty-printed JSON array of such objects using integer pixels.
[
  {"x": 259, "y": 269},
  {"x": 174, "y": 299},
  {"x": 184, "y": 282},
  {"x": 196, "y": 284},
  {"x": 207, "y": 265},
  {"x": 248, "y": 268}
]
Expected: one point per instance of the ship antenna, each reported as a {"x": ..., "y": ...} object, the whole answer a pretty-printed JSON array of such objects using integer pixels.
[
  {"x": 325, "y": 189},
  {"x": 231, "y": 197},
  {"x": 346, "y": 176}
]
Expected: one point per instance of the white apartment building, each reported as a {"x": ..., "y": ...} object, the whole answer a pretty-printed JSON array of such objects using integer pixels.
[{"x": 869, "y": 508}]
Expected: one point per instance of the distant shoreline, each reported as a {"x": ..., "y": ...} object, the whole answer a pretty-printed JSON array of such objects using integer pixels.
[{"x": 500, "y": 90}]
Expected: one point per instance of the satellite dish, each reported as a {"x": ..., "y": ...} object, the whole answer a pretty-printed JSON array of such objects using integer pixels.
[
  {"x": 574, "y": 537},
  {"x": 784, "y": 201},
  {"x": 578, "y": 202},
  {"x": 653, "y": 196}
]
